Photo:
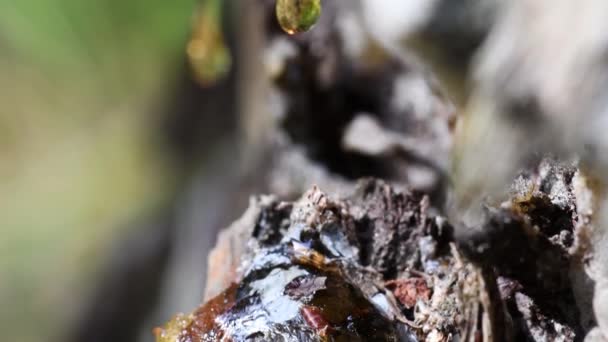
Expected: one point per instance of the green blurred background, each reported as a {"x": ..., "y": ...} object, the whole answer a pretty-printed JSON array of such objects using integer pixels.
[{"x": 80, "y": 87}]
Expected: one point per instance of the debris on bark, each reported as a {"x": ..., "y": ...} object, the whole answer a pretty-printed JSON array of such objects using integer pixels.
[{"x": 409, "y": 291}]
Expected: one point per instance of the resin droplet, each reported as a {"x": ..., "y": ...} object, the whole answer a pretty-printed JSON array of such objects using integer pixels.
[
  {"x": 297, "y": 16},
  {"x": 207, "y": 51}
]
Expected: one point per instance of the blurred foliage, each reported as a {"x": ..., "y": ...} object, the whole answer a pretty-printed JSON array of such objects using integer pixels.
[{"x": 81, "y": 84}]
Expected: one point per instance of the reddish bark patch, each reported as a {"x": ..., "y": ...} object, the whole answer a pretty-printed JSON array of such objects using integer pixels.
[
  {"x": 409, "y": 290},
  {"x": 315, "y": 319},
  {"x": 204, "y": 326}
]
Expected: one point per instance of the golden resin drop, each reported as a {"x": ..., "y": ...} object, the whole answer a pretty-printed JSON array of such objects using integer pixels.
[
  {"x": 297, "y": 16},
  {"x": 207, "y": 52}
]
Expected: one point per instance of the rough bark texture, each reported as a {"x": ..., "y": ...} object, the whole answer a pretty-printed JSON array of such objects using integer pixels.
[{"x": 379, "y": 266}]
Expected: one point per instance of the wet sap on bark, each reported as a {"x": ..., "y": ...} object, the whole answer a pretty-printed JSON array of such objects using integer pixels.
[{"x": 289, "y": 293}]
